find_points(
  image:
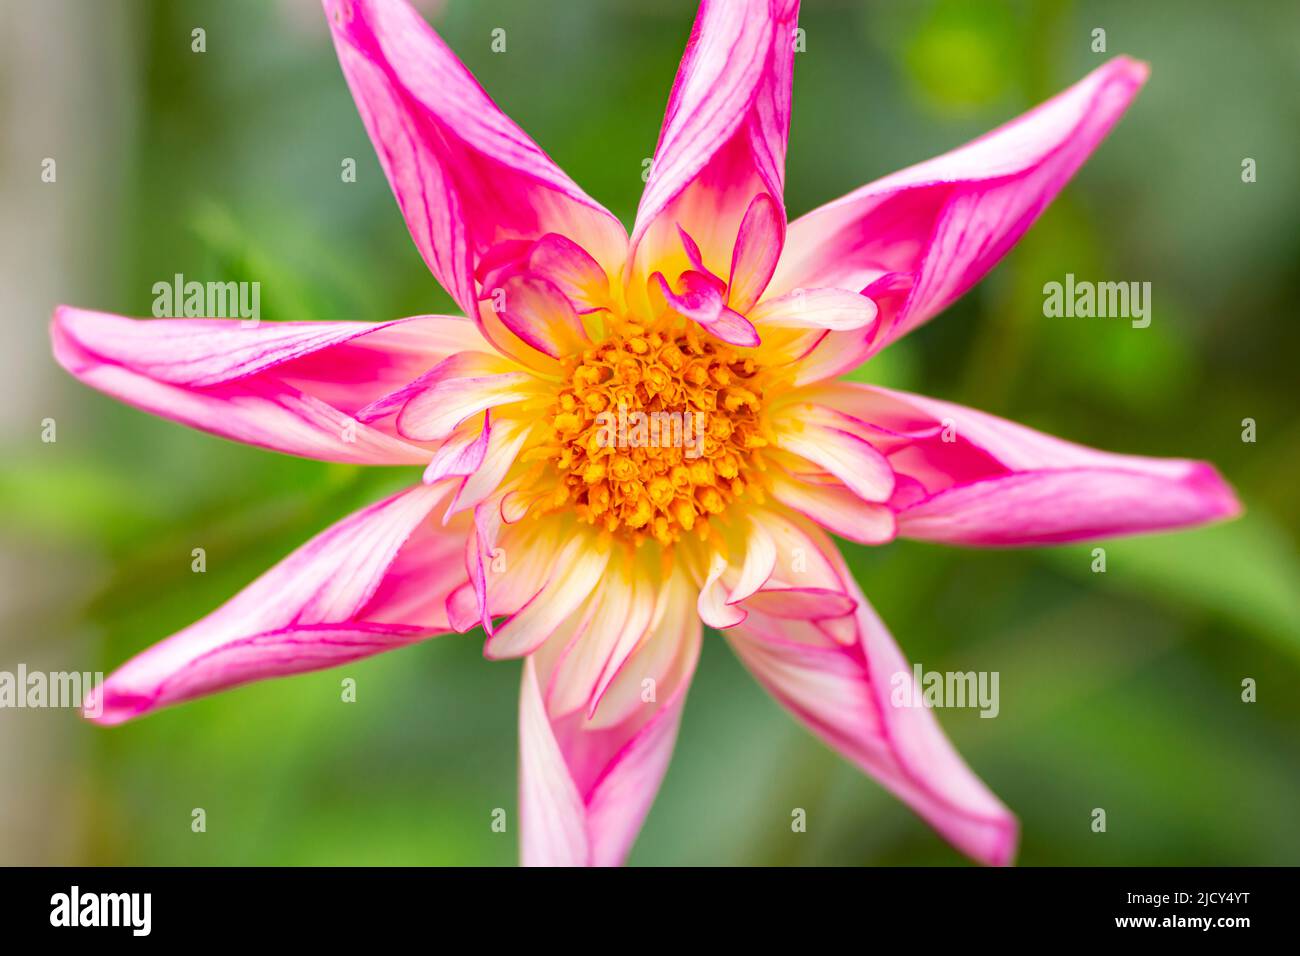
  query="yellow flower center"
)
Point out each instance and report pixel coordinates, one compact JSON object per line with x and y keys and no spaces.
{"x":656,"y":431}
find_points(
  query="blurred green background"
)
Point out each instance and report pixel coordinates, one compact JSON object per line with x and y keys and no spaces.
{"x":1119,"y":690}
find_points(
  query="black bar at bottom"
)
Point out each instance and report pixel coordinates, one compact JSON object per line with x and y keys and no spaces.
{"x":369,"y":905}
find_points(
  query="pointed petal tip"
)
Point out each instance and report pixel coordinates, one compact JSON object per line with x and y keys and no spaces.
{"x":106,"y":707}
{"x":464,"y":175}
{"x":1221,"y":501}
{"x":1015,"y":169}
{"x":1005,"y":846}
{"x":737,"y":330}
{"x":63,"y":319}
{"x":58,"y":320}
{"x":73,"y":331}
{"x":1135,"y":70}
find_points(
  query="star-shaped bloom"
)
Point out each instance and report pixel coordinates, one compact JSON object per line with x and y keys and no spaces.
{"x":630,"y":437}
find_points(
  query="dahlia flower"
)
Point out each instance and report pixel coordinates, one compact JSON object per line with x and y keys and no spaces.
{"x":592,"y":554}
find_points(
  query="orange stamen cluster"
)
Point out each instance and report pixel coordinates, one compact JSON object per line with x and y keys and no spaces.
{"x":683,"y":458}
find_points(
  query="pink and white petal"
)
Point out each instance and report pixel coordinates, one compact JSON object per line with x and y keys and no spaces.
{"x":661,"y":661}
{"x":702,"y":299}
{"x":647,"y":644}
{"x":586,"y":785}
{"x":837,"y":310}
{"x":463,"y":451}
{"x":354,"y":374}
{"x":466,"y":177}
{"x":802,"y":603}
{"x":542,"y":316}
{"x":290,"y":387}
{"x":505,"y":439}
{"x":835,"y":508}
{"x":552,"y":813}
{"x":699,"y":296}
{"x":732,"y":327}
{"x":798,"y":563}
{"x":723,"y":139}
{"x":835,"y":447}
{"x":757,"y":250}
{"x":976,"y":479}
{"x":463,"y":608}
{"x":562,"y":825}
{"x":918,"y":239}
{"x":758,"y":565}
{"x":842,"y":693}
{"x":1053,"y":507}
{"x":691,"y":249}
{"x":622,"y":611}
{"x":457,"y":388}
{"x":375,"y":581}
{"x":575,"y":571}
{"x":804,"y":556}
{"x":510,"y":564}
{"x":572,"y":270}
{"x":712,"y":604}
